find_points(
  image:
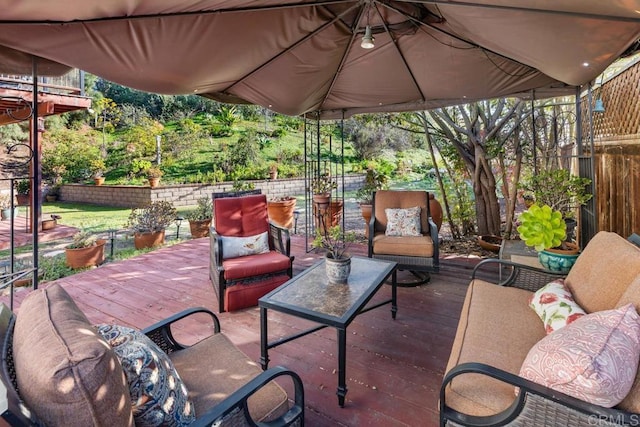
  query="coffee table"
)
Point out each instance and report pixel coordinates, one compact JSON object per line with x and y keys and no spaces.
{"x":310,"y":296}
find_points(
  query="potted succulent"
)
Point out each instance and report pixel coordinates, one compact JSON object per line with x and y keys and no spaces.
{"x":86,"y":250}
{"x":153,"y":175}
{"x":23,"y":189}
{"x":200,"y":218}
{"x":280,"y":210}
{"x":150,"y":222}
{"x":544,"y":228}
{"x":337,"y":259}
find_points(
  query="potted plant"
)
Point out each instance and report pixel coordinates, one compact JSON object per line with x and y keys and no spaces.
{"x":560,"y":190}
{"x":5,"y":207}
{"x":97,"y":171}
{"x":86,"y":250}
{"x":53,"y":192}
{"x":322,"y":186}
{"x":23,"y":189}
{"x":50,"y":224}
{"x":273,"y":170}
{"x":280,"y":210}
{"x":337,"y":259}
{"x":200,"y":218}
{"x":150,"y":222}
{"x":153,"y":175}
{"x":544,"y":229}
{"x":373,"y":181}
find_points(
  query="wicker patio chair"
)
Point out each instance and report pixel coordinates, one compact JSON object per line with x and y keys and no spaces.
{"x":418,"y":254}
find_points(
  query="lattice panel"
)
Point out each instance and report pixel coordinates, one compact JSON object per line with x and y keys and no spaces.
{"x":621,"y":99}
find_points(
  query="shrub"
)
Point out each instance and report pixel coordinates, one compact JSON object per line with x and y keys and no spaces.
{"x":156,"y":216}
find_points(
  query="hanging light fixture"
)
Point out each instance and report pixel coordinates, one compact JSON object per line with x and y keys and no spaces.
{"x":367,"y":39}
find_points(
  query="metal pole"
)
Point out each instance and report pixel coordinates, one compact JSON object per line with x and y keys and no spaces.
{"x":35,"y":193}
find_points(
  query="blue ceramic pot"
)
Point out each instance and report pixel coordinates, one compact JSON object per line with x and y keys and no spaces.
{"x":557,"y":262}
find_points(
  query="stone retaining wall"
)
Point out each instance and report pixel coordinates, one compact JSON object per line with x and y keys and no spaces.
{"x":182,"y":194}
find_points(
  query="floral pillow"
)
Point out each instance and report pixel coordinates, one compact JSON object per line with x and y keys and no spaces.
{"x":594,"y":359}
{"x":555,"y":305}
{"x":233,"y":247}
{"x":403,"y":222}
{"x":158,"y":395}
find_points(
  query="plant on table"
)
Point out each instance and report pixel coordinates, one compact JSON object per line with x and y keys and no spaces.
{"x":545,"y":229}
{"x":334,"y":241}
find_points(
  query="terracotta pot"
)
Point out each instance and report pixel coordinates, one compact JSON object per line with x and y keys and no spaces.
{"x":23,"y":199}
{"x":490,"y":243}
{"x":86,"y":257}
{"x":148,"y":240}
{"x":281,"y":212}
{"x":321,"y":210}
{"x":335,"y":210}
{"x":273,"y":174}
{"x":365,"y":209}
{"x":49,"y":224}
{"x":99,"y":180}
{"x":338,"y":270}
{"x":435,"y":208}
{"x":153,"y":182}
{"x":51,"y":198}
{"x":199,"y":228}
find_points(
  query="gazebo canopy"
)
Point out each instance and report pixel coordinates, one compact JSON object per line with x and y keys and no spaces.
{"x":298,"y":57}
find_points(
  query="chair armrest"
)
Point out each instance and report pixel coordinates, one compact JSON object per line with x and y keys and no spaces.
{"x":216,"y":247}
{"x":234,"y":407}
{"x":160,"y":333}
{"x":535,"y":404}
{"x":433,"y":232}
{"x":279,"y":239}
{"x":517,"y":275}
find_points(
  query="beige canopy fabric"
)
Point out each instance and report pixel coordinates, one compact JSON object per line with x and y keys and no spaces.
{"x":301,"y":57}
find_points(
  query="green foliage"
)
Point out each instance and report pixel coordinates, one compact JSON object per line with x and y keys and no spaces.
{"x":227,"y":115}
{"x":542,"y":227}
{"x":139,"y":166}
{"x":558,"y":189}
{"x":334,"y":241}
{"x":54,"y":268}
{"x":154,"y":172}
{"x":23,"y":186}
{"x":461,"y":201}
{"x":246,"y":150}
{"x":374,"y":180}
{"x":202,"y":212}
{"x":323,"y":184}
{"x":83,"y":239}
{"x":140,"y":139}
{"x":68,"y":154}
{"x":243,"y":186}
{"x":156,"y":216}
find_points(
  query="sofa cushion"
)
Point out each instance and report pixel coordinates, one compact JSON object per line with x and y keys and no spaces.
{"x":631,"y":403}
{"x":604,"y":271}
{"x":255,"y":265}
{"x":487,"y":333}
{"x":158,"y":395}
{"x":594,"y":359}
{"x":555,"y":306}
{"x":400,"y":199}
{"x":403,"y":222}
{"x":66,"y":373}
{"x":241,"y":216}
{"x":210,"y":372}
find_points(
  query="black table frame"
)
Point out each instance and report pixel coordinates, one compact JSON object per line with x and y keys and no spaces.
{"x":340,"y":323}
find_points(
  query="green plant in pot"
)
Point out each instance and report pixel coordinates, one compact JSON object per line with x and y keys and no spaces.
{"x":200,"y":218}
{"x":337,"y":259}
{"x":150,"y":222}
{"x":86,"y":250}
{"x":374,"y":180}
{"x":545,"y":230}
{"x":23,"y":189}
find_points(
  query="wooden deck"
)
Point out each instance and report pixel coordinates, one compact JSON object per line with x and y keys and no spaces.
{"x":394,"y":368}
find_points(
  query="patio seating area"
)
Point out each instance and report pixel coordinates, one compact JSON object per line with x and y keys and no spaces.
{"x":394,"y":367}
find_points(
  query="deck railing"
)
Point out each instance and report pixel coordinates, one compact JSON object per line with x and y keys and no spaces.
{"x":71,"y":83}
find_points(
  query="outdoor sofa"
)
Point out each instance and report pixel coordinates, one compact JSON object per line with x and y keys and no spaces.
{"x":501,"y":345}
{"x":59,"y":370}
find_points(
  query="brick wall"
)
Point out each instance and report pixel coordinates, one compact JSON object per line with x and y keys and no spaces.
{"x":183,"y":194}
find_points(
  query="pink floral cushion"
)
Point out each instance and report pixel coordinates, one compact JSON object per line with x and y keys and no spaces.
{"x":403,"y":222}
{"x":555,"y":305}
{"x":594,"y":359}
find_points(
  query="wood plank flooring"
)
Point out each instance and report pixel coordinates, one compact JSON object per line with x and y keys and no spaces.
{"x":394,"y":368}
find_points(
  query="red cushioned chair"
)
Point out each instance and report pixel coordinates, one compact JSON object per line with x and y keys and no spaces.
{"x":240,"y":280}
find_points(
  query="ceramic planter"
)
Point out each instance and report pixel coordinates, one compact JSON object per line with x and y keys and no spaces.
{"x":148,"y":240}
{"x":6,"y":213}
{"x":199,"y":228}
{"x":86,"y":257}
{"x":23,"y":199}
{"x":559,"y":260}
{"x":338,"y":270}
